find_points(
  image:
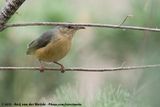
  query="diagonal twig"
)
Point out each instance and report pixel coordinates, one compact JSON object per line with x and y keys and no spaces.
{"x":8,"y":10}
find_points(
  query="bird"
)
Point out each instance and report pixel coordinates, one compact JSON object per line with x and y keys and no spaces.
{"x":53,"y":45}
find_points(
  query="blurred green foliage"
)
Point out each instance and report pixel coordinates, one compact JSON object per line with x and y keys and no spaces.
{"x":108,"y":96}
{"x":144,"y":46}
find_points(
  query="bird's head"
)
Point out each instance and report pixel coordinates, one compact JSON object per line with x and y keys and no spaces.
{"x":69,"y":29}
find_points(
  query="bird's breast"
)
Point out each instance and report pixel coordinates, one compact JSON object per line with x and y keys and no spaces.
{"x":55,"y":50}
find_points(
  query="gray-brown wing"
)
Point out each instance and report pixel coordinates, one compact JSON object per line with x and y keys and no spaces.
{"x":40,"y":42}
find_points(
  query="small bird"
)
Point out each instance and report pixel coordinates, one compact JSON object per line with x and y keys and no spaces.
{"x":53,"y":45}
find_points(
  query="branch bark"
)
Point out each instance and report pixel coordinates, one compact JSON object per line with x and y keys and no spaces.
{"x":81,"y":69}
{"x":82,"y":24}
{"x":8,"y":10}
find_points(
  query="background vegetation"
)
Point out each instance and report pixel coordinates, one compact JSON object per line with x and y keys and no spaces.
{"x":93,"y":47}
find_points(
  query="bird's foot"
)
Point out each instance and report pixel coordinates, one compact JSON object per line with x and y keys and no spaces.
{"x":62,"y":67}
{"x":41,"y":69}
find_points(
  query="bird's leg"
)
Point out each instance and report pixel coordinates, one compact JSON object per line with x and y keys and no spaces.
{"x":62,"y":67}
{"x":41,"y":66}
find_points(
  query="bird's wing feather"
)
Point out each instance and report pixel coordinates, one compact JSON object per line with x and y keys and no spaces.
{"x":40,"y":42}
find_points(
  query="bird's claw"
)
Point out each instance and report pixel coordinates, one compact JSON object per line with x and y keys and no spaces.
{"x":41,"y":69}
{"x":62,"y":69}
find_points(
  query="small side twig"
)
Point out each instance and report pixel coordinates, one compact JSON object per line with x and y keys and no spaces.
{"x":125,"y":19}
{"x":81,"y":24}
{"x":80,"y":69}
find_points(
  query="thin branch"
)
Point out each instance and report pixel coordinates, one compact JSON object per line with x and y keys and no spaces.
{"x":8,"y":10}
{"x":81,"y":24}
{"x":82,"y":69}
